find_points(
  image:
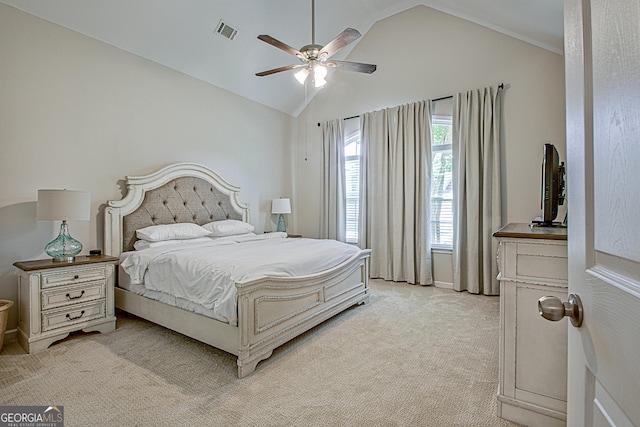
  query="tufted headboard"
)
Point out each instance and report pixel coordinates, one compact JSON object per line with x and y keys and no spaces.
{"x":182,"y":192}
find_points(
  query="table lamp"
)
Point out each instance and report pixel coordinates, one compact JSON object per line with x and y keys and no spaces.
{"x":63,"y":205}
{"x":280,"y":207}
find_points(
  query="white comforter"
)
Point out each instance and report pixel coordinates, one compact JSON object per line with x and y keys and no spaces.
{"x":206,"y":273}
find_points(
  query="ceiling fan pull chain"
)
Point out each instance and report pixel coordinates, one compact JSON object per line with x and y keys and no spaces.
{"x":306,"y":125}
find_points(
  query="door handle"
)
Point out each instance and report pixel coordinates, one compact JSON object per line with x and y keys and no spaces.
{"x":552,"y":308}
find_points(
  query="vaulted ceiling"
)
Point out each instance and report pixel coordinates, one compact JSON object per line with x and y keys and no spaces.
{"x":180,"y":34}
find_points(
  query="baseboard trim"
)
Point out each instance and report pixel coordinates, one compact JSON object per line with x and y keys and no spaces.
{"x":445,"y":285}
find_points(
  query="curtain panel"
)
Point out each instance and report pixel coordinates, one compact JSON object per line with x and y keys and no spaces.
{"x":395,"y":172}
{"x":333,"y":222}
{"x":477,"y":198}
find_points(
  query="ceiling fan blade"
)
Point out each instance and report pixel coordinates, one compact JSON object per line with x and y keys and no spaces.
{"x":352,"y":66}
{"x":279,"y":70}
{"x":277,"y":43}
{"x":341,"y":40}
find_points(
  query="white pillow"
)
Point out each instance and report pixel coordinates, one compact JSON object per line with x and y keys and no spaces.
{"x":158,"y":233}
{"x":144,"y":244}
{"x":228,"y":227}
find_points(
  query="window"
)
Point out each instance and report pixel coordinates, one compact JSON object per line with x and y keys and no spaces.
{"x":352,"y":175}
{"x":441,"y":183}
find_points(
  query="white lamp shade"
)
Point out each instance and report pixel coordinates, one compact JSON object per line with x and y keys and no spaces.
{"x":58,"y":205}
{"x":280,"y":206}
{"x":301,"y":75}
{"x":319,"y":71}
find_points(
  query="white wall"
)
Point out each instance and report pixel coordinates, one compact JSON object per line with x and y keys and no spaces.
{"x":79,"y":114}
{"x":425,"y":54}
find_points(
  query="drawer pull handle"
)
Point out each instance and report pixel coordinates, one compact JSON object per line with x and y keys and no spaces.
{"x":69,"y":297}
{"x":75,"y":318}
{"x":76,"y":276}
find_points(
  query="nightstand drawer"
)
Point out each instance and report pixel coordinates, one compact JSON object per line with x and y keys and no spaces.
{"x":72,"y":276}
{"x":73,"y":294}
{"x":70,"y":316}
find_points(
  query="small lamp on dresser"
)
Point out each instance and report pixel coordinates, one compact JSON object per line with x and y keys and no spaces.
{"x":281,"y":207}
{"x":63,"y":205}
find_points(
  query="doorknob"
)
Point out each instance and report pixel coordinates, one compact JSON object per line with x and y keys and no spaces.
{"x":552,"y":308}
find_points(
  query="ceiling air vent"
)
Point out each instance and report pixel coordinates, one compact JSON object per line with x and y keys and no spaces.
{"x":226,"y":31}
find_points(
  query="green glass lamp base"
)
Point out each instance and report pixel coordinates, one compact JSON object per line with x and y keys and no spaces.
{"x":63,"y":248}
{"x":281,"y":225}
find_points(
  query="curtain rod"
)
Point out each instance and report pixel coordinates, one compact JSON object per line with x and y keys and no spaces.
{"x":441,"y":98}
{"x":346,"y":118}
{"x":500,"y":86}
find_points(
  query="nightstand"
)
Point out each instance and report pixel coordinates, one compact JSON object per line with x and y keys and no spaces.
{"x":56,"y":298}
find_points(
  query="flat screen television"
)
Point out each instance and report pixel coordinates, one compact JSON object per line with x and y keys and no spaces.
{"x":552,"y":185}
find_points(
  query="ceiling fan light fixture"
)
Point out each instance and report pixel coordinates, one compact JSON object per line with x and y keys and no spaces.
{"x":301,"y":75}
{"x":319,"y":73}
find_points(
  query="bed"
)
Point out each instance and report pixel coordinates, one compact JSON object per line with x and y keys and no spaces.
{"x":271,"y":309}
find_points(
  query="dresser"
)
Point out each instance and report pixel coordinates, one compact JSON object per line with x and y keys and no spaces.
{"x":532,"y":263}
{"x":56,"y":298}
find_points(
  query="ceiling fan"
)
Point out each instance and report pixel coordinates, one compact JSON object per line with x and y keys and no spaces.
{"x":314,"y":58}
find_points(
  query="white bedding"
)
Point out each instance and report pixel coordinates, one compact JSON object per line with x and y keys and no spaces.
{"x":205,"y":273}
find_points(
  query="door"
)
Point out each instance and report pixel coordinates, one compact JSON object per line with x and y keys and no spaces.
{"x":602,"y":65}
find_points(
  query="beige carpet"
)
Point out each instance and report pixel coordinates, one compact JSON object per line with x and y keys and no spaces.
{"x":412,"y":356}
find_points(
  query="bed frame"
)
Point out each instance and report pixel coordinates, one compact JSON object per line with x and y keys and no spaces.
{"x":271,"y":311}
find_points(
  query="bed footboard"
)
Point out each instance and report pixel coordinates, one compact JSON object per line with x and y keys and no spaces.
{"x":272,"y":311}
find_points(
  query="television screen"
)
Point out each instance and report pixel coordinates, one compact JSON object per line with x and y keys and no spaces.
{"x":552,"y":185}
